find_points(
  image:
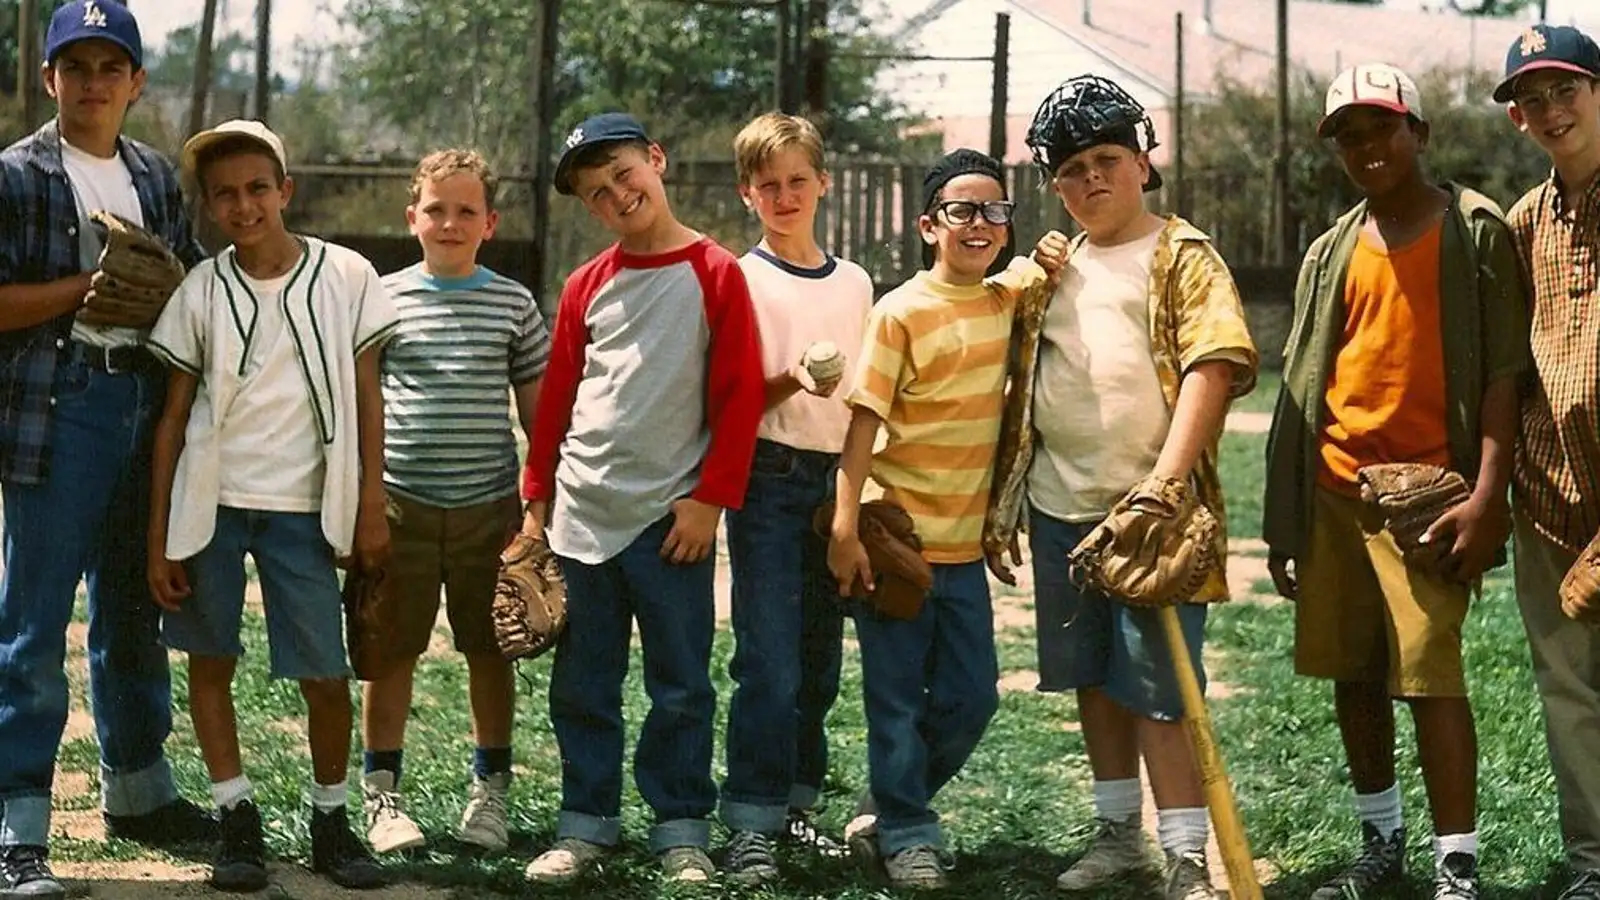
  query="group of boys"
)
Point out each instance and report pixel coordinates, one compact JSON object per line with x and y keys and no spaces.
{"x":316,"y":415}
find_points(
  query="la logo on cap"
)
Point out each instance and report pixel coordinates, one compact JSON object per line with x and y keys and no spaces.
{"x":575,"y":138}
{"x":1532,"y":42}
{"x":93,"y":15}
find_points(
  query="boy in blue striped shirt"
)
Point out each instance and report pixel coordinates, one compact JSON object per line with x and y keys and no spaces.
{"x":469,"y":340}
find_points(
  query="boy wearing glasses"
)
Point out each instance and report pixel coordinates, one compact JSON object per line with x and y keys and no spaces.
{"x":1551,"y":84}
{"x":932,"y":373}
{"x":1170,"y":349}
{"x":1427,"y":267}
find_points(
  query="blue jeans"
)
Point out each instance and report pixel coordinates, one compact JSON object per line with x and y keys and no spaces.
{"x":788,"y":626}
{"x":88,"y":521}
{"x":672,"y":762}
{"x":929,"y":686}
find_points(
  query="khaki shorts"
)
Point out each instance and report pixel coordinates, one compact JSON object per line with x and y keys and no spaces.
{"x":457,"y":549}
{"x":1364,"y":616}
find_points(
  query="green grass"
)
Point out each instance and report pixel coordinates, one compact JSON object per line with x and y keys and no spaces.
{"x":1265,"y":394}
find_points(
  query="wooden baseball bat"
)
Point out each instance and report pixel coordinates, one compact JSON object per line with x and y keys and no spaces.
{"x":1231,"y":840}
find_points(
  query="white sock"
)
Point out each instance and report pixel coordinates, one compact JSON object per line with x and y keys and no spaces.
{"x":1381,"y":810}
{"x":1446,"y":844}
{"x":1183,"y":830}
{"x":329,"y":797}
{"x":1117,"y":800}
{"x":228,"y":794}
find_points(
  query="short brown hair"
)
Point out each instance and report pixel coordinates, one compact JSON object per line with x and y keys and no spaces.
{"x":766,"y":135}
{"x":441,"y":164}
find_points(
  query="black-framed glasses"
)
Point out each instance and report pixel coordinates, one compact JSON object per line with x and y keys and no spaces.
{"x":963,"y":212}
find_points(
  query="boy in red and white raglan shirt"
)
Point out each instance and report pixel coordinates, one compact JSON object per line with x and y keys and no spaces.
{"x":645,"y":429}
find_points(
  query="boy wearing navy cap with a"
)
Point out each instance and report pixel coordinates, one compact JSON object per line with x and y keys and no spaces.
{"x":645,"y":430}
{"x":75,"y":454}
{"x":1552,"y":86}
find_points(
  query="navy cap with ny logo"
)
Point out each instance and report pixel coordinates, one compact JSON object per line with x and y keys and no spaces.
{"x":82,"y":20}
{"x":605,"y":128}
{"x":1542,"y":46}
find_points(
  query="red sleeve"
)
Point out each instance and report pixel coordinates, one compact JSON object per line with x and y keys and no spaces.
{"x":735,"y":387}
{"x":553,"y":414}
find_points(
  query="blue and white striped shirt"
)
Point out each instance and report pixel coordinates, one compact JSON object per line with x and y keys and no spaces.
{"x":462,"y":344}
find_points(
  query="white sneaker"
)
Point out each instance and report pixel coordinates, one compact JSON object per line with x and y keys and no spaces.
{"x":1188,"y":878}
{"x":389,"y":829}
{"x":483,"y":822}
{"x":569,"y":858}
{"x":687,"y":864}
{"x":1117,"y":849}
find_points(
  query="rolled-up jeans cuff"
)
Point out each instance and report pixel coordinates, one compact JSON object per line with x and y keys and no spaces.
{"x":680,"y":833}
{"x":25,"y":820}
{"x":137,"y":793}
{"x":602,"y":830}
{"x":803,"y":796}
{"x":893,"y":840}
{"x":766,"y":818}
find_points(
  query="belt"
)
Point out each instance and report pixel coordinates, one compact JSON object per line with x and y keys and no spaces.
{"x":113,"y":360}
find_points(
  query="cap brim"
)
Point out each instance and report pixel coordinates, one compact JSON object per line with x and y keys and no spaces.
{"x":1502,"y":91}
{"x":1325,"y":128}
{"x":198,"y":144}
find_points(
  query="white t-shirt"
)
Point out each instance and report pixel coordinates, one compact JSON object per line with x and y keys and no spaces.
{"x":796,"y":307}
{"x":100,"y":184}
{"x":271,"y":409}
{"x":1097,"y":405}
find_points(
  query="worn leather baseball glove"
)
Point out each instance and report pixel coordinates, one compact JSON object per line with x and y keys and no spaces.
{"x":1153,"y":549}
{"x":368,"y":622}
{"x":902,"y":577}
{"x":530,"y":598}
{"x":135,"y":278}
{"x":1411,"y":497}
{"x":1580,"y":589}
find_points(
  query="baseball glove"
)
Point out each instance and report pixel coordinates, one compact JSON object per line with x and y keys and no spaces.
{"x":1580,"y":589}
{"x":1411,"y":497}
{"x":135,"y":277}
{"x":902,"y":577}
{"x":1153,"y":549}
{"x":368,"y":622}
{"x":530,"y":599}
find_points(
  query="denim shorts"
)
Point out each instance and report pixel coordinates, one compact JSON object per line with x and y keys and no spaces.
{"x":299,"y":592}
{"x":1089,"y":640}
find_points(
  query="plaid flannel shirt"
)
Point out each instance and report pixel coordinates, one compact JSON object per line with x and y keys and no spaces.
{"x":38,"y":244}
{"x":1557,"y":474}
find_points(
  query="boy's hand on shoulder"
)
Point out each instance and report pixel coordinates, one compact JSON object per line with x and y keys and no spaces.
{"x":1284,"y":581}
{"x":1474,"y":530}
{"x":848,"y":561}
{"x":169,"y":583}
{"x":694,"y":527}
{"x":1052,"y":251}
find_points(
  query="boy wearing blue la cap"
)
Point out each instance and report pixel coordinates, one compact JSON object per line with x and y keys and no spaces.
{"x":75,"y":427}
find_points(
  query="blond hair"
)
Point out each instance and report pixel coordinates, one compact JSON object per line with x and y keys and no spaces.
{"x":758,"y":142}
{"x":441,"y":164}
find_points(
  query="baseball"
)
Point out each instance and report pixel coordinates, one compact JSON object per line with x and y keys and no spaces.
{"x":823,"y":362}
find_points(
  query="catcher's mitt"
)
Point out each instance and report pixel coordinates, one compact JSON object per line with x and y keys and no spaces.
{"x":1580,"y":589}
{"x":901,"y":576}
{"x":135,"y":277}
{"x":368,"y":622}
{"x":1153,"y":549}
{"x":1411,"y":497}
{"x":530,"y":598}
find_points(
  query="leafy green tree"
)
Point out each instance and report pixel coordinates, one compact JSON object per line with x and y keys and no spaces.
{"x":232,"y":60}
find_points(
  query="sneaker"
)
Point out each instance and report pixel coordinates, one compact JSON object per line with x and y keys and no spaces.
{"x":25,"y":872}
{"x":748,"y":858}
{"x":1188,"y":878}
{"x":1456,"y":878}
{"x":177,"y":824}
{"x":569,"y":858}
{"x":1586,"y":886}
{"x":483,"y":822}
{"x":1381,"y":862}
{"x":389,"y":829}
{"x":687,"y":864}
{"x":339,"y":854}
{"x":920,"y":868}
{"x":1117,"y":848}
{"x":800,"y":831}
{"x":240,"y":865}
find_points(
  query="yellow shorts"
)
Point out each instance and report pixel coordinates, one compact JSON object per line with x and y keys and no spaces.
{"x":1365,"y":616}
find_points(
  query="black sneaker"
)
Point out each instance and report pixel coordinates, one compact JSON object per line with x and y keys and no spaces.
{"x":800,"y":831}
{"x":748,"y":858}
{"x":177,"y":824}
{"x":240,"y":866}
{"x":1584,"y":886}
{"x":1457,"y":877}
{"x":1382,"y":862}
{"x":25,"y":872}
{"x":337,"y":853}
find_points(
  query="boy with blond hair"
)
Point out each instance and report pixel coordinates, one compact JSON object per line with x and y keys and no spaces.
{"x":787,"y":622}
{"x":469,"y":340}
{"x":644,"y":433}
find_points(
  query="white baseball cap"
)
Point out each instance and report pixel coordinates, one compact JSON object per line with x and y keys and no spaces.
{"x":249,"y":128}
{"x":1370,"y":84}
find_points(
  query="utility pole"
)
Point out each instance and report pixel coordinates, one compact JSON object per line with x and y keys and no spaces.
{"x":1002,"y":75}
{"x":263,"y":57}
{"x":816,"y":28}
{"x":1178,"y":202}
{"x":542,"y":49}
{"x":28,"y":61}
{"x":202,"y":69}
{"x":1281,"y":251}
{"x":781,"y":74}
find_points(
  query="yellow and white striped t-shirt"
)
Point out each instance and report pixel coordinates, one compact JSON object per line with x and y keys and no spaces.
{"x":933,"y":367}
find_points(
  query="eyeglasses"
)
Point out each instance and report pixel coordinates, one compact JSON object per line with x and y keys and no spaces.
{"x":1562,"y":93}
{"x":963,"y":212}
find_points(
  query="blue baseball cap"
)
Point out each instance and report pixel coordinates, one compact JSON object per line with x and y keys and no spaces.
{"x":82,"y":20}
{"x":605,"y":128}
{"x":1548,"y":47}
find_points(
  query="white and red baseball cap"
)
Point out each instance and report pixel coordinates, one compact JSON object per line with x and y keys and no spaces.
{"x":1370,"y":84}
